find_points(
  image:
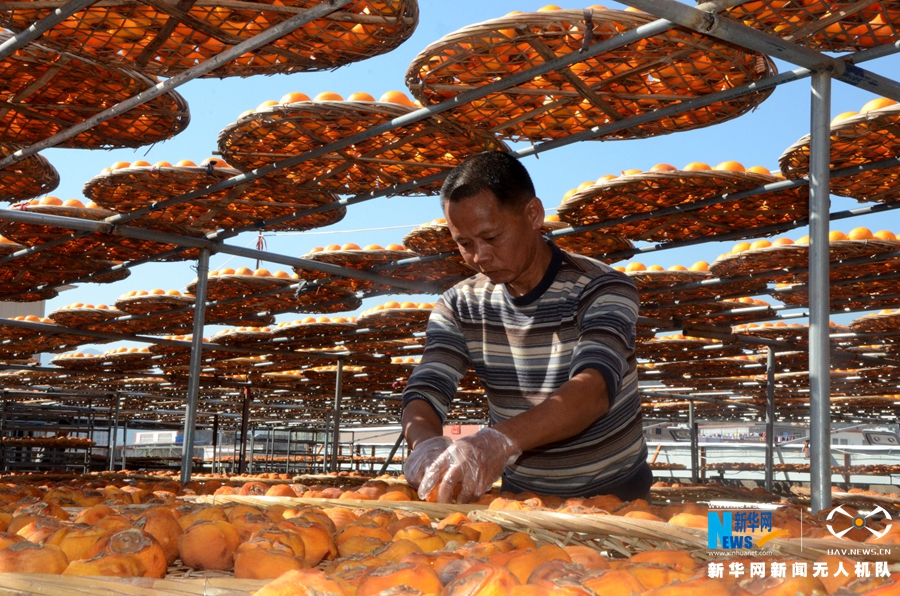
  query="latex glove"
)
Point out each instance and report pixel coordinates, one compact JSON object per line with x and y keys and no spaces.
{"x":423,"y":456}
{"x":472,"y":463}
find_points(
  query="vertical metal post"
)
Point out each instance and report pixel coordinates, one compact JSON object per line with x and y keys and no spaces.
{"x":245,"y":424}
{"x":252,"y":450}
{"x":390,"y":457}
{"x":819,"y":303}
{"x":111,"y":456}
{"x":770,"y":419}
{"x":124,"y":444}
{"x":287,"y":464}
{"x":193,"y":394}
{"x":336,"y":417}
{"x":215,"y":442}
{"x":695,"y":444}
{"x":326,"y":442}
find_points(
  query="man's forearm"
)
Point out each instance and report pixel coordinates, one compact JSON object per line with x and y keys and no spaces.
{"x":573,"y":408}
{"x":420,"y":422}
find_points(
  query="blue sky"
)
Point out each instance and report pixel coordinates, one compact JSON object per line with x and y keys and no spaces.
{"x":757,"y":138}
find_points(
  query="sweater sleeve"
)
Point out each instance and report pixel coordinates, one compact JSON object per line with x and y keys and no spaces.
{"x":444,"y":361}
{"x":607,"y":315}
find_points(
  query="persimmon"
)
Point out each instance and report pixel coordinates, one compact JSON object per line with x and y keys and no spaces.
{"x":54,"y":201}
{"x":635,"y":266}
{"x":836,"y":236}
{"x":399,"y":247}
{"x":397,"y":97}
{"x":632,"y":172}
{"x":860,"y":234}
{"x":162,"y":164}
{"x":217,"y":162}
{"x":293,"y":97}
{"x":369,"y":247}
{"x":877,"y":104}
{"x":243,"y":271}
{"x":782,"y":242}
{"x":185,"y":163}
{"x":695,"y":166}
{"x":884,"y":235}
{"x":730,"y":166}
{"x":699,"y":266}
{"x":663,"y":167}
{"x":328,"y":96}
{"x":757,"y":244}
{"x":360,"y":96}
{"x":266,"y":104}
{"x":843,"y":116}
{"x":677,"y":268}
{"x":72,"y":203}
{"x":349,"y":246}
{"x":759,"y":170}
{"x":119,"y":165}
{"x":606,"y":178}
{"x":802,"y":240}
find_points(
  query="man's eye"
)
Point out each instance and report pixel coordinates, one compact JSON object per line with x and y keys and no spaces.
{"x":491,"y":238}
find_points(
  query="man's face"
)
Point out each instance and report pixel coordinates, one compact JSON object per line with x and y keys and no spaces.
{"x":501,"y":243}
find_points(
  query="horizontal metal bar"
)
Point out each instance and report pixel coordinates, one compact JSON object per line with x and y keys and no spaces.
{"x":60,"y":14}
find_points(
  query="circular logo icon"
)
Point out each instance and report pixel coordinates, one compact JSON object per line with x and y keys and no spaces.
{"x":857,"y":522}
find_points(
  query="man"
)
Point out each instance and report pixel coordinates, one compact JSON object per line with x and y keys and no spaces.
{"x":551,"y":337}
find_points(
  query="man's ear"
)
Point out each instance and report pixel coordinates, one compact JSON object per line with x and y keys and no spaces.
{"x":534,"y":211}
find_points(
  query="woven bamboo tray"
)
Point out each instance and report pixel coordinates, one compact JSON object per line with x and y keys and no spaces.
{"x":323,"y":299}
{"x":131,"y":188}
{"x":128,"y":361}
{"x":779,"y":259}
{"x":434,"y":510}
{"x":224,"y":287}
{"x":876,"y":322}
{"x":680,"y":348}
{"x":328,"y":332}
{"x":594,"y":244}
{"x":438,"y":275}
{"x":677,"y":293}
{"x":647,"y":281}
{"x":650,"y":191}
{"x":862,"y":296}
{"x":179,"y":582}
{"x":240,"y":337}
{"x":26,"y":179}
{"x":167,"y":39}
{"x":388,"y":318}
{"x":631,"y":80}
{"x":857,"y":140}
{"x":793,"y":332}
{"x":82,"y":316}
{"x":353,"y":259}
{"x":841,"y":26}
{"x":45,"y":93}
{"x":144,"y":305}
{"x":417,"y":150}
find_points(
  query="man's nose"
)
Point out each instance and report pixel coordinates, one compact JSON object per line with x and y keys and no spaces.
{"x":482,"y":253}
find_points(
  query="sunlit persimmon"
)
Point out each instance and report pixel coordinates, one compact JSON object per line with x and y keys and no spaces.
{"x":185,"y":163}
{"x":397,"y":97}
{"x":740,"y":247}
{"x":293,"y":97}
{"x":757,"y":244}
{"x":328,"y":96}
{"x":877,"y":104}
{"x":843,"y":116}
{"x":860,"y":234}
{"x":635,"y":267}
{"x":699,"y":266}
{"x":266,"y":104}
{"x":759,"y":170}
{"x":782,"y":242}
{"x":884,"y":235}
{"x":695,"y":166}
{"x":53,"y":201}
{"x":730,"y":166}
{"x":836,"y":236}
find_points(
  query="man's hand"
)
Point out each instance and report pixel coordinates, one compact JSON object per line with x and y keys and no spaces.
{"x":472,"y":464}
{"x":422,"y":457}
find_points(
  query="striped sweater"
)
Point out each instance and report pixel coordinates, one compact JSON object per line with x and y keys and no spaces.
{"x":581,"y":315}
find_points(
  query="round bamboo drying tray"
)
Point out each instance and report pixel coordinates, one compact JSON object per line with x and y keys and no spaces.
{"x":655,"y":280}
{"x":796,"y":256}
{"x":323,"y":331}
{"x":86,"y":362}
{"x":677,"y":293}
{"x":877,"y":322}
{"x":144,"y":305}
{"x":353,"y":259}
{"x":45,"y":93}
{"x":240,"y":337}
{"x":27,"y":294}
{"x":838,"y":26}
{"x":594,"y":244}
{"x":859,"y":296}
{"x":794,"y":332}
{"x":430,"y":239}
{"x":131,"y":188}
{"x":860,"y":139}
{"x":441,"y":275}
{"x":679,"y":348}
{"x":167,"y":39}
{"x":26,"y":179}
{"x":417,"y":150}
{"x":631,"y":80}
{"x":82,"y":316}
{"x":650,"y":191}
{"x":97,"y":245}
{"x":388,"y":318}
{"x":130,"y":361}
{"x":326,"y":299}
{"x":226,"y":286}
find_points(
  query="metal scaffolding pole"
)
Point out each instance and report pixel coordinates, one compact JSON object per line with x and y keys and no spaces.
{"x":271,"y":34}
{"x":336,"y":417}
{"x":8,"y":47}
{"x":770,"y":418}
{"x":252,"y":450}
{"x":193,"y":392}
{"x":695,"y":444}
{"x":215,"y":442}
{"x":819,"y":303}
{"x":245,"y":425}
{"x":124,"y":444}
{"x":390,"y":457}
{"x":113,"y":431}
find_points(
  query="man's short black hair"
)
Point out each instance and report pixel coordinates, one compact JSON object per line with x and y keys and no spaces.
{"x":494,"y":171}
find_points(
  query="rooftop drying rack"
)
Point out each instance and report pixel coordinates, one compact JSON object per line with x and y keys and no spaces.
{"x":813,"y":64}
